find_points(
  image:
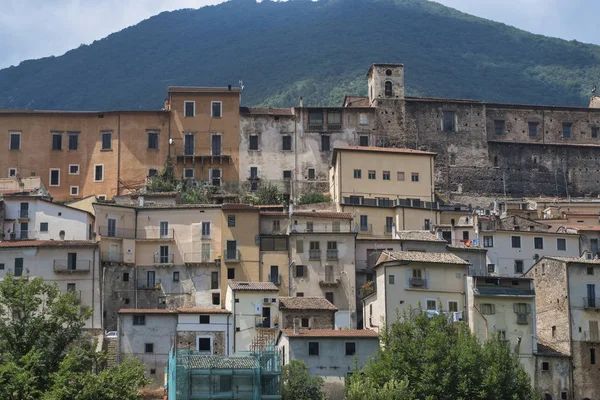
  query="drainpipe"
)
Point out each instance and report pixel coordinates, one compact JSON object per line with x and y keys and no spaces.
{"x":103,"y":303}
{"x":484,"y":319}
{"x":290,"y":273}
{"x":228,"y":344}
{"x":119,"y":154}
{"x":135,"y":254}
{"x":93,"y":283}
{"x":570,"y":334}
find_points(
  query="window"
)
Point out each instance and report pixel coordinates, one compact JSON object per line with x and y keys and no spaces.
{"x":391,"y":279}
{"x":98,"y":172}
{"x":499,"y":127}
{"x":518,"y":266}
{"x":253,"y":172}
{"x":305,"y":323}
{"x":452,"y":158}
{"x":204,"y":344}
{"x":205,"y":319}
{"x":189,"y":108}
{"x":299,"y":294}
{"x":487,"y":309}
{"x":74,"y":190}
{"x":371,"y":174}
{"x":276,"y":225}
{"x":315,"y":118}
{"x":452,"y":306}
{"x":311,"y":173}
{"x":334,"y":119}
{"x":545,"y":366}
{"x":533,"y":127}
{"x":188,"y":144}
{"x":273,"y":244}
{"x":216,"y":109}
{"x":561,"y":244}
{"x":447,"y":236}
{"x":73,"y":169}
{"x":139,"y":320}
{"x":287,"y":174}
{"x":567,"y":128}
{"x":164,"y":256}
{"x":54,"y":177}
{"x":488,"y":241}
{"x":388,"y":89}
{"x":553,"y":331}
{"x":71,"y":288}
{"x":389,"y":223}
{"x":216,"y":299}
{"x":106,"y":140}
{"x":43,"y":227}
{"x":329,"y":297}
{"x":449,"y":121}
{"x":286,"y":143}
{"x":357,"y":174}
{"x":15,"y":141}
{"x":253,"y":142}
{"x":125,"y":276}
{"x":299,"y":246}
{"x":563,"y":395}
{"x":231,"y":221}
{"x":590,"y":270}
{"x":152,"y":140}
{"x":431,"y":305}
{"x":363,"y":140}
{"x":538,"y":243}
{"x":101,"y":197}
{"x":215,"y":177}
{"x":149,"y":347}
{"x":400,"y":176}
{"x":18,"y":266}
{"x":592,"y":356}
{"x":230,"y":273}
{"x":313,"y":348}
{"x":214,"y":280}
{"x":386,"y":175}
{"x":299,"y":271}
{"x":188,"y":173}
{"x":350,"y":348}
{"x":175,"y":276}
{"x":364,"y":223}
{"x":56,"y":140}
{"x":595,"y":132}
{"x":205,"y":229}
{"x":465,"y":235}
{"x":427,"y":224}
{"x":325,"y":143}
{"x":73,"y":138}
{"x":12,"y":172}
{"x":515,"y":242}
{"x":2,"y":266}
{"x":363,"y":120}
{"x":414,"y":177}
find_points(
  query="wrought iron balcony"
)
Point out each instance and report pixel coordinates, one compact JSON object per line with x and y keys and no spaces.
{"x":164,"y":258}
{"x":314,"y":254}
{"x":275,"y":279}
{"x":23,"y":214}
{"x":119,"y":233}
{"x":332,"y":254}
{"x":591,"y":302}
{"x":66,"y":266}
{"x":232,"y":255}
{"x":332,"y":279}
{"x":418,"y":283}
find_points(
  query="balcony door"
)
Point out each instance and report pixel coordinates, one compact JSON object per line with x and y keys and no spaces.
{"x":72,"y":261}
{"x":151,"y":278}
{"x":189,"y":145}
{"x":266,"y":314}
{"x":274,"y":277}
{"x":216,"y":145}
{"x":231,"y":250}
{"x":591,"y":294}
{"x":164,"y":254}
{"x":24,"y":212}
{"x":111,"y":229}
{"x":113,"y":254}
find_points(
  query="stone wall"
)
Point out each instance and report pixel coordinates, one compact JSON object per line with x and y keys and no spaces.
{"x":585,"y":374}
{"x":187,"y":340}
{"x":557,"y":379}
{"x":318,"y":319}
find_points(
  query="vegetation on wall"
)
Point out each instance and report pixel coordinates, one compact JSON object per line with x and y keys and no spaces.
{"x":268,"y":194}
{"x":298,"y":384}
{"x":314,"y":197}
{"x":284,"y":50}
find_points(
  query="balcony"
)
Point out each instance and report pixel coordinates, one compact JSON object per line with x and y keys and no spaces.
{"x":315,"y":126}
{"x":275,"y":279}
{"x":314,"y":254}
{"x":118,"y":233}
{"x":217,"y":155}
{"x":366,"y":229}
{"x":389,"y":203}
{"x":198,"y":258}
{"x":591,"y":302}
{"x":324,"y":227}
{"x":23,"y":214}
{"x":64,"y":266}
{"x":333,"y":127}
{"x":22,"y":235}
{"x":522,"y":318}
{"x":418,"y":283}
{"x":111,"y":257}
{"x":163,"y":258}
{"x":332,"y":279}
{"x":149,"y":285}
{"x":155,"y":233}
{"x":232,"y":255}
{"x":332,"y":254}
{"x":387,"y":229}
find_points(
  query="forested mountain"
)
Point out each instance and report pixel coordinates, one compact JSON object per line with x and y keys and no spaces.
{"x":318,"y":50}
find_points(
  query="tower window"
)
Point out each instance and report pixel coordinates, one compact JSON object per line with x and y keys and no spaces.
{"x":388,"y":89}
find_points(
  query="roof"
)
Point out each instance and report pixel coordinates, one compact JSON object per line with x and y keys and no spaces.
{"x":203,"y":311}
{"x":173,"y":311}
{"x":584,"y":227}
{"x":253,"y":286}
{"x":267,"y":111}
{"x":582,"y":213}
{"x":463,"y":246}
{"x":571,"y":260}
{"x":420,"y":256}
{"x":322,"y":214}
{"x":382,"y":65}
{"x":274,"y":214}
{"x":331,"y":333}
{"x":158,"y":206}
{"x":47,"y":243}
{"x":547,"y":350}
{"x":305,"y":303}
{"x":418,"y":236}
{"x":492,"y":290}
{"x":200,"y":89}
{"x":217,"y":362}
{"x":356,"y":101}
{"x":374,"y":149}
{"x":239,"y":207}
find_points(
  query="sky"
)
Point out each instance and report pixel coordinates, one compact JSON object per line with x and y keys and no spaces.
{"x":31,"y":29}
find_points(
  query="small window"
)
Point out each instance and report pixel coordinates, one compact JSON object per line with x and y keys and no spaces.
{"x":563,"y":395}
{"x":54,"y":177}
{"x":56,"y":140}
{"x":391,"y":279}
{"x":350,"y":348}
{"x":518,"y":266}
{"x":325,"y":143}
{"x":414,"y":177}
{"x":214,"y":280}
{"x":545,"y":366}
{"x":286,"y":143}
{"x":300,"y":271}
{"x":427,"y":224}
{"x":561,"y":244}
{"x":189,"y":108}
{"x":431,"y":305}
{"x":538,"y":243}
{"x":313,"y":348}
{"x":453,"y":306}
{"x":12,"y":172}
{"x":74,"y":190}
{"x":305,"y":323}
{"x":125,"y":276}
{"x":449,"y":121}
{"x":43,"y":227}
{"x":152,"y":172}
{"x":231,"y":221}
{"x":204,"y":344}
{"x":98,"y":172}
{"x":567,"y":130}
{"x":276,"y":225}
{"x":299,"y":294}
{"x":216,"y":109}
{"x":357,"y":174}
{"x":487,"y":309}
{"x":465,"y":235}
{"x":73,"y":169}
{"x":371,"y":174}
{"x":452,"y":159}
{"x":175,"y":276}
{"x":488,"y":241}
{"x":152,"y":371}
{"x":102,"y":197}
{"x":533,"y":127}
{"x":149,"y":347}
{"x":73,"y":138}
{"x":287,"y":174}
{"x":311,"y":173}
{"x":253,"y":172}
{"x":515,"y":242}
{"x":216,"y":299}
{"x":388,"y":89}
{"x":15,"y":141}
{"x":595,"y":132}
{"x":106,"y":140}
{"x":386,"y":175}
{"x":253,"y":142}
{"x":592,"y":356}
{"x":491,"y":268}
{"x":188,"y":173}
{"x":1,"y":266}
{"x":230,"y":273}
{"x":205,"y":319}
{"x":590,"y":270}
{"x":329,"y":297}
{"x":499,"y":127}
{"x":400,"y":176}
{"x":139,"y":320}
{"x":152,"y":140}
{"x":363,"y":140}
{"x":71,"y":288}
{"x":205,"y":229}
{"x":363,"y":120}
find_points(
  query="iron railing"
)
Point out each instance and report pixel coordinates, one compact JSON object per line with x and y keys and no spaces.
{"x":418,"y":283}
{"x":64,"y":265}
{"x":120,"y":233}
{"x":275,"y":279}
{"x":332,"y":254}
{"x":23,"y":214}
{"x":163,"y":258}
{"x":591,"y":302}
{"x":232,"y":255}
{"x":314,"y":254}
{"x":331,"y":279}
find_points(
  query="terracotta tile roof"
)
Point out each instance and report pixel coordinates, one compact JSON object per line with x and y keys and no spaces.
{"x":344,"y":333}
{"x":595,"y":228}
{"x":383,"y":150}
{"x":587,"y":213}
{"x":571,"y":260}
{"x":356,"y":101}
{"x":239,"y":207}
{"x":203,"y":89}
{"x":547,"y":350}
{"x":47,"y":243}
{"x":218,"y":362}
{"x":203,"y":311}
{"x":420,"y":256}
{"x":323,"y":214}
{"x":253,"y":286}
{"x":463,"y":246}
{"x":418,"y":236}
{"x":305,"y":303}
{"x":266,"y":111}
{"x":274,"y":213}
{"x":147,"y":311}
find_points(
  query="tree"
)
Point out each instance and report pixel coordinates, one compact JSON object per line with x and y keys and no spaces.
{"x":269,"y":194}
{"x":426,"y":357}
{"x":299,"y":385}
{"x":314,"y":197}
{"x":43,"y":349}
{"x":165,"y":181}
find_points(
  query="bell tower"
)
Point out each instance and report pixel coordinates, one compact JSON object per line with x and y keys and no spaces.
{"x":386,"y":81}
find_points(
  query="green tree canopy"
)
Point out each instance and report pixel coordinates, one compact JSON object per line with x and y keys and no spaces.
{"x":298,"y":384}
{"x":269,"y":194}
{"x":424,"y":357}
{"x":314,"y":197}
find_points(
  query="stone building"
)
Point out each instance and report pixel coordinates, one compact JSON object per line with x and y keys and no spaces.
{"x":553,"y":372}
{"x":306,"y":312}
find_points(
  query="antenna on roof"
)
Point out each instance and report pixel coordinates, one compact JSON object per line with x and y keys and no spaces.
{"x":594,"y":91}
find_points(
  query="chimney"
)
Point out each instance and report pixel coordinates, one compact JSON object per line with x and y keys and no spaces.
{"x":229,"y":87}
{"x":301,"y":102}
{"x":296,"y":329}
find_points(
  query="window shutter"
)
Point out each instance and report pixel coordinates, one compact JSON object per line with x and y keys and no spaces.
{"x":407,"y":274}
{"x":299,"y":246}
{"x":516,"y":307}
{"x":493,"y":308}
{"x":427,"y":278}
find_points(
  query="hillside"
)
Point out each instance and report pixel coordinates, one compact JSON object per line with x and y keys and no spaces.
{"x":318,"y":50}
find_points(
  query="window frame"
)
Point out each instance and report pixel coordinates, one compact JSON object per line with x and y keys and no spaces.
{"x":253,"y":146}
{"x":212,"y":110}
{"x":535,"y":243}
{"x":325,"y":143}
{"x":185,"y":103}
{"x":371,"y":174}
{"x":564,"y":241}
{"x":149,"y":348}
{"x":149,"y":135}
{"x":414,"y":175}
{"x":139,"y":319}
{"x":95,"y":172}
{"x":388,"y":174}
{"x":312,"y":174}
{"x":313,"y":348}
{"x":10,"y":135}
{"x":103,"y":134}
{"x":286,"y":143}
{"x":42,"y":225}
{"x":74,"y":165}
{"x":357,"y":174}
{"x":50,"y":177}
{"x":488,"y":241}
{"x":512,"y":242}
{"x":75,"y":135}
{"x":185,"y":171}
{"x":534,"y":125}
{"x":13,"y":172}
{"x":453,"y":127}
{"x":499,"y":127}
{"x":76,"y":194}
{"x":231,"y":220}
{"x":59,"y":135}
{"x":567,"y":127}
{"x":350,"y":351}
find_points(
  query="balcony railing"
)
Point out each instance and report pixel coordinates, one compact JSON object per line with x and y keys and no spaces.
{"x":388,"y":203}
{"x":232,"y":255}
{"x":111,"y":257}
{"x":155,"y":233}
{"x":163,"y":258}
{"x":23,"y":235}
{"x":314,"y":254}
{"x":363,"y":228}
{"x":332,"y":254}
{"x":418,"y":283}
{"x":332,"y":279}
{"x":275,"y":279}
{"x":119,"y":233}
{"x":203,"y":152}
{"x":198,"y":257}
{"x":149,"y":285}
{"x":387,"y":229}
{"x":23,"y":214}
{"x":591,"y":302}
{"x":321,"y":227}
{"x":522,"y":318}
{"x":315,"y":127}
{"x":64,"y":266}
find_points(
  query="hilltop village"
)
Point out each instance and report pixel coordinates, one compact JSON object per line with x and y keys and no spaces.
{"x":487,"y":213}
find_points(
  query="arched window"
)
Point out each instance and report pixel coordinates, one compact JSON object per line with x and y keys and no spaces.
{"x":547,"y":397}
{"x":388,"y":89}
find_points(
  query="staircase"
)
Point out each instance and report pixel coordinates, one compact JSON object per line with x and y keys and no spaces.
{"x":263,"y":338}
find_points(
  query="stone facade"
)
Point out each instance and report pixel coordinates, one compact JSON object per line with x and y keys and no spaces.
{"x":317,"y":319}
{"x":187,"y":340}
{"x":552,"y":373}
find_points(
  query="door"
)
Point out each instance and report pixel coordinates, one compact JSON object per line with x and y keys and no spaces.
{"x":591,"y":294}
{"x":24,"y":212}
{"x":72,"y":261}
{"x":189,"y":145}
{"x":274,"y":276}
{"x":164,"y":254}
{"x":111,"y":229}
{"x":18,"y":266}
{"x":594,"y":246}
{"x":113,"y":254}
{"x":266,"y":314}
{"x":231,"y":250}
{"x":151,"y":277}
{"x":216,"y":145}
{"x":24,"y":230}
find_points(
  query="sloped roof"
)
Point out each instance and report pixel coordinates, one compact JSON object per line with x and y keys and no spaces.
{"x":572,"y":260}
{"x":239,"y":207}
{"x":203,"y":311}
{"x":548,"y":350}
{"x":594,"y":228}
{"x":420,"y":256}
{"x":147,"y":311}
{"x":331,"y":333}
{"x":253,"y":286}
{"x":418,"y":236}
{"x":305,"y":303}
{"x":266,"y":111}
{"x":47,"y":243}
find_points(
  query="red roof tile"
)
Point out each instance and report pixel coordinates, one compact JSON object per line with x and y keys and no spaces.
{"x":253,"y":286}
{"x":595,"y":228}
{"x":274,"y":213}
{"x":203,"y":311}
{"x":47,"y":243}
{"x":266,"y":111}
{"x":384,"y":150}
{"x":147,"y":311}
{"x":305,"y":303}
{"x":323,"y":214}
{"x":239,"y":207}
{"x":331,"y":333}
